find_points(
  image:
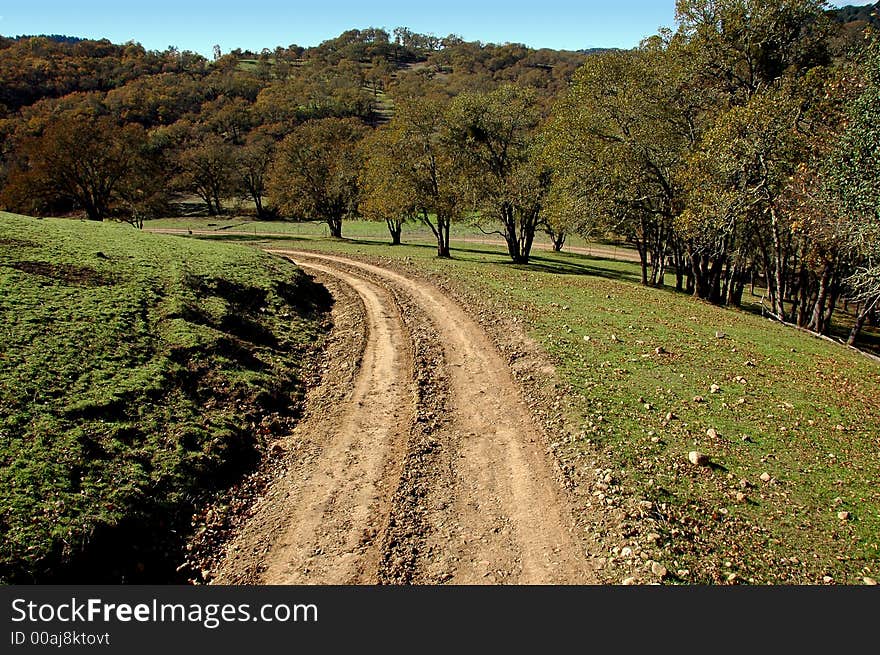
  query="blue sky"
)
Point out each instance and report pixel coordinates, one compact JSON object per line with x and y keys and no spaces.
{"x":198,"y":25}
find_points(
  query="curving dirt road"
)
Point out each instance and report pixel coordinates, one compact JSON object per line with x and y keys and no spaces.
{"x":428,"y":470}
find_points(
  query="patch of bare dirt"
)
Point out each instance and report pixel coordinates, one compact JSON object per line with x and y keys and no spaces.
{"x":64,"y":273}
{"x":12,"y":242}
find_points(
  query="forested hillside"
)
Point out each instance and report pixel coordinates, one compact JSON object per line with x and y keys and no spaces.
{"x":723,"y":149}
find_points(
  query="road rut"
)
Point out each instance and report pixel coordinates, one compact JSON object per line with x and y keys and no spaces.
{"x":485,"y":507}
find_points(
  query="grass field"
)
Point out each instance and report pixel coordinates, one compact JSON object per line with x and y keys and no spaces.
{"x":413,"y":233}
{"x":138,"y":373}
{"x":802,"y":412}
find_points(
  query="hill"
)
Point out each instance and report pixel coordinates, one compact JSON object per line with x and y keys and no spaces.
{"x":138,"y":375}
{"x":868,"y":14}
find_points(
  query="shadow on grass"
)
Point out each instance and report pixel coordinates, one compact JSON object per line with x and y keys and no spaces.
{"x":562,"y":264}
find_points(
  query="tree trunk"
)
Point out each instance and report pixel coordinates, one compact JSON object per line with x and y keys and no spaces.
{"x":443,"y":238}
{"x":817,"y":320}
{"x":395,"y":227}
{"x":441,"y":233}
{"x":642,"y":248}
{"x":778,"y":287}
{"x":558,"y":239}
{"x":697,"y":273}
{"x":678,"y":262}
{"x":715,"y":280}
{"x":860,"y":321}
{"x":733,"y":292}
{"x":510,"y":234}
{"x":335,"y":225}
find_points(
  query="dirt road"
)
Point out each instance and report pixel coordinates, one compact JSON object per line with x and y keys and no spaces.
{"x":424,"y":467}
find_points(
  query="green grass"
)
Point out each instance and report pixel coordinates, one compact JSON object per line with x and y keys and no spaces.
{"x":137,"y":373}
{"x":799,"y":408}
{"x":370,"y":231}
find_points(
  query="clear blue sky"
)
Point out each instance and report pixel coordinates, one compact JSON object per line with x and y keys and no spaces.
{"x":198,"y":25}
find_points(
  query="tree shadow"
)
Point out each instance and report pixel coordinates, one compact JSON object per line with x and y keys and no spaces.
{"x":565,"y":263}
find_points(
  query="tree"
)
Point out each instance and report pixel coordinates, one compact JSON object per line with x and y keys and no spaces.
{"x":744,"y":46}
{"x":736,"y":181}
{"x":383,"y":198}
{"x":230,"y":118}
{"x":251,"y":164}
{"x":315,"y":171}
{"x":207,"y":168}
{"x":854,"y":179}
{"x":80,"y":159}
{"x":496,"y":134}
{"x":618,"y":140}
{"x":412,"y":170}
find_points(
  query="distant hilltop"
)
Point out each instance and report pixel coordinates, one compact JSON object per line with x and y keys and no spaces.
{"x":59,"y":38}
{"x":869,"y":14}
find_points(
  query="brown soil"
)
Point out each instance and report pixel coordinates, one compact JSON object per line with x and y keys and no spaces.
{"x":421,"y":465}
{"x":65,"y":273}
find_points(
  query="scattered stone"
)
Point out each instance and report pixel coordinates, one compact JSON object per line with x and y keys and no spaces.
{"x":740,"y":497}
{"x":712,"y":433}
{"x":626,"y":551}
{"x":682,"y":573}
{"x":587,"y":337}
{"x":871,"y":582}
{"x":698,"y":399}
{"x":670,"y":416}
{"x":765,"y":477}
{"x":648,"y":406}
{"x":699,"y":459}
{"x":658,"y":569}
{"x":629,"y":581}
{"x":614,"y":338}
{"x":827,"y":579}
{"x":843,"y":516}
{"x":660,"y":350}
{"x":720,"y":335}
{"x":731,"y":577}
{"x":655,"y":439}
{"x":714,"y":388}
{"x":744,"y":484}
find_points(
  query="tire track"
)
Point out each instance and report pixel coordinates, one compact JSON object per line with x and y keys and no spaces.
{"x":335,"y":510}
{"x":494,"y":512}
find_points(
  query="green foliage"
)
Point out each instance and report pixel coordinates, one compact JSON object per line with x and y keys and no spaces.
{"x":744,"y":46}
{"x":138,"y":373}
{"x":81,"y":159}
{"x":855,"y":179}
{"x":495,"y":133}
{"x":856,"y":161}
{"x":618,"y":142}
{"x":413,"y":171}
{"x":315,"y":172}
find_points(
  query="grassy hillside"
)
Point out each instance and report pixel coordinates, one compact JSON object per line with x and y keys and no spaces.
{"x":137,"y":374}
{"x":801,"y":410}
